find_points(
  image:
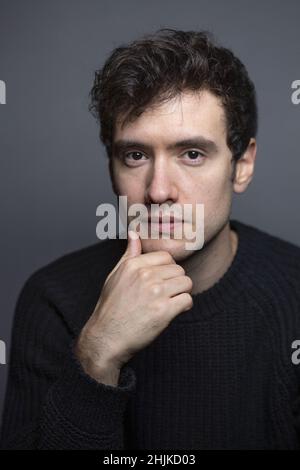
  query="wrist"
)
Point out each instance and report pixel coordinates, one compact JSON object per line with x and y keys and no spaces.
{"x":101,"y":367}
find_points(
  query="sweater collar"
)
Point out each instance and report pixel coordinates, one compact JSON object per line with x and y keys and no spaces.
{"x":226,"y":292}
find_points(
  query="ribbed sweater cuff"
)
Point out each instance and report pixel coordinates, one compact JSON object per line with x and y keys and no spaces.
{"x":89,"y":405}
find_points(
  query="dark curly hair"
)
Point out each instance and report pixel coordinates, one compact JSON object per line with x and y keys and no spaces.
{"x":158,"y":67}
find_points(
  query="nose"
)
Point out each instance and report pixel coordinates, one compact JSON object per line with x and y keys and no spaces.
{"x":161,"y":184}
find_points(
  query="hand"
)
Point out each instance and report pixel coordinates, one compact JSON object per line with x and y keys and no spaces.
{"x":140,"y":297}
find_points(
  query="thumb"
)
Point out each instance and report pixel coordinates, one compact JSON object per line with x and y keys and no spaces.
{"x":134,"y":246}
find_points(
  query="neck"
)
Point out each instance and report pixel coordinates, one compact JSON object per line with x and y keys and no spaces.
{"x":206,"y":266}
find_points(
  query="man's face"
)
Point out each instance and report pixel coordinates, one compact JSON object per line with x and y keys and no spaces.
{"x":176,"y":153}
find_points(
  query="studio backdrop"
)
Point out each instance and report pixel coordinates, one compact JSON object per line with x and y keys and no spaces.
{"x":54,"y":170}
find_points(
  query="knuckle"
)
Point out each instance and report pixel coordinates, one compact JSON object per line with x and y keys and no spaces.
{"x":144,"y":274}
{"x":181,"y":271}
{"x":189,"y":300}
{"x":156,"y":289}
{"x":167,"y":257}
{"x":189,"y":282}
{"x":170,"y":258}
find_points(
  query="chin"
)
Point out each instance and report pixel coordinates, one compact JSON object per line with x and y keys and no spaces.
{"x":176,"y":248}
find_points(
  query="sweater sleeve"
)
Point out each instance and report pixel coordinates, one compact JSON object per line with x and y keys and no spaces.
{"x":51,"y":403}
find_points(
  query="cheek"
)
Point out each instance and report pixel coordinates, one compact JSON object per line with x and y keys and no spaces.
{"x":133,"y":188}
{"x":214,"y":191}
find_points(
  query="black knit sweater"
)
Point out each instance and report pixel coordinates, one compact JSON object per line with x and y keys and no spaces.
{"x":220,"y":376}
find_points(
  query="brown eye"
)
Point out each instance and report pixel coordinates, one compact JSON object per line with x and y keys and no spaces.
{"x":134,"y":158}
{"x":135,"y":155}
{"x":194,"y":156}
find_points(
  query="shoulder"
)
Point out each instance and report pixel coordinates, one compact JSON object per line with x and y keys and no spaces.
{"x":83,"y":262}
{"x":275,"y":292}
{"x":71,"y":283}
{"x":275,"y":260}
{"x":281,"y":250}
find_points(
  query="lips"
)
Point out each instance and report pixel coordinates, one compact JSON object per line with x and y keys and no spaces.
{"x":164,"y":219}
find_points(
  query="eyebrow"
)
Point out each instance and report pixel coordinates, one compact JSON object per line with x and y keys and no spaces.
{"x":202,"y":142}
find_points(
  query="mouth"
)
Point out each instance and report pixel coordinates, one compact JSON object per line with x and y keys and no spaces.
{"x":164,"y":219}
{"x":164,"y":223}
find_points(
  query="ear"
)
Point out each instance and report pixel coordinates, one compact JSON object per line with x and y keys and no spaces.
{"x":245,"y":168}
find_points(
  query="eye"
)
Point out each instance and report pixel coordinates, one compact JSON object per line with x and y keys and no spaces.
{"x":194,"y":156}
{"x":133,"y":158}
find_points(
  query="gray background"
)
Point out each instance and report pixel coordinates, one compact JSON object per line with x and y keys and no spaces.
{"x":53,"y":168}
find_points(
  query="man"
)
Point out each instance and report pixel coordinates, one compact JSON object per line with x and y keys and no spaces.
{"x":141,"y":343}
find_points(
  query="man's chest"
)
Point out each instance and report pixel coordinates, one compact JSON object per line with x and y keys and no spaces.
{"x":201,"y":387}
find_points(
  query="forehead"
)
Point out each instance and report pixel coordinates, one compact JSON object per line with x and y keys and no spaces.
{"x":186,"y":115}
